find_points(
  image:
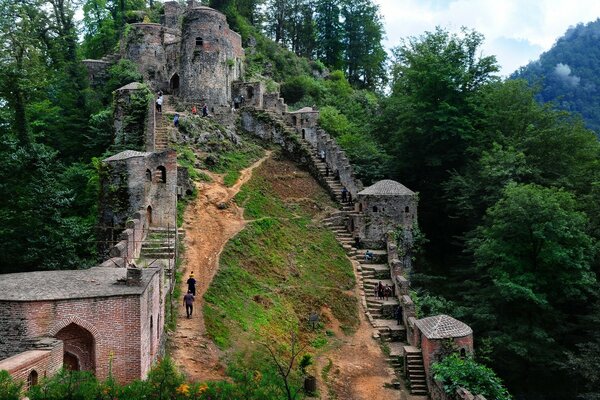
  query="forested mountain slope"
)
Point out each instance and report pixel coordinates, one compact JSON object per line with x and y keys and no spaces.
{"x":569,"y":73}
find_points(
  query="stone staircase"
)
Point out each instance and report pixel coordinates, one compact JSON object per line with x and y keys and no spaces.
{"x":160,"y":243}
{"x":415,"y":371}
{"x":163,"y":123}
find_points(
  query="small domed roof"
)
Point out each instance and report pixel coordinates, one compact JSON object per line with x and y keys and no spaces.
{"x":443,"y":327}
{"x":387,"y":187}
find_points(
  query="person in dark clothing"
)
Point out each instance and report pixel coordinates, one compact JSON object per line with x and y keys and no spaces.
{"x":188,"y":302}
{"x":380,"y":290}
{"x":327,"y":170}
{"x":205,"y":110}
{"x":336,"y":175}
{"x":176,"y":120}
{"x":344,"y":194}
{"x":399,"y":315}
{"x":191,"y":282}
{"x":357,"y":242}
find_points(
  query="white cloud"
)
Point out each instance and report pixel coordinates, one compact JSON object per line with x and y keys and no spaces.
{"x":516,"y":31}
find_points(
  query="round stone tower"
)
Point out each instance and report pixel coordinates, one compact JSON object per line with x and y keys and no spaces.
{"x":211,"y":57}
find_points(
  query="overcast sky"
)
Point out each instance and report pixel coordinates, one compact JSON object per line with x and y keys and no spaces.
{"x":516,"y":31}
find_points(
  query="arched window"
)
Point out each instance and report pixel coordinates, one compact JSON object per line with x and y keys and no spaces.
{"x":294,"y":120}
{"x":463,"y":353}
{"x":375,"y":209}
{"x":303,"y":134}
{"x":148,"y":175}
{"x":32,"y":379}
{"x":406,"y":209}
{"x":199,"y":42}
{"x":162,"y":174}
{"x":250,"y":92}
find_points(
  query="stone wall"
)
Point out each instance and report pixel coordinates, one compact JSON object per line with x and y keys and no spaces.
{"x":143,"y":44}
{"x":252,"y":93}
{"x":97,"y":71}
{"x":272,"y":101}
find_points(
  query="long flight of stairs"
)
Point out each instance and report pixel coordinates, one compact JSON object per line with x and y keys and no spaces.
{"x":163,"y":123}
{"x":380,"y":312}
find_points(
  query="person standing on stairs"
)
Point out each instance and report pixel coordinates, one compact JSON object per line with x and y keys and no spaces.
{"x":159,"y":103}
{"x":205,"y":110}
{"x":344,"y":194}
{"x":399,"y":314}
{"x":322,"y":155}
{"x":176,"y":121}
{"x":194,"y":111}
{"x":188,"y":302}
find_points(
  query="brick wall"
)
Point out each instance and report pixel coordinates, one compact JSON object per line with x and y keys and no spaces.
{"x":95,"y":330}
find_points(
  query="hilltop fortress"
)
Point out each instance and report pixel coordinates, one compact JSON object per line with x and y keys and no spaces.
{"x":113,"y":315}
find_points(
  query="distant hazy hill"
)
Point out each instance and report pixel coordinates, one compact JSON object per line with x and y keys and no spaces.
{"x":569,"y":73}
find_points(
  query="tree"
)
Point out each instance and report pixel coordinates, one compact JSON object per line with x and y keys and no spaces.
{"x":329,"y":29}
{"x":364,"y":55}
{"x":429,"y":121}
{"x":535,"y":256}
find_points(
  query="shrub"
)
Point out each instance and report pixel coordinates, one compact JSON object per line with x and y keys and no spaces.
{"x":455,"y":372}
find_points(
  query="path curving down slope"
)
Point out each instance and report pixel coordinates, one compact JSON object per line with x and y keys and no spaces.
{"x":208,"y":226}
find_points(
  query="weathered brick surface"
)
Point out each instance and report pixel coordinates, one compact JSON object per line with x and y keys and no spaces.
{"x":95,"y":329}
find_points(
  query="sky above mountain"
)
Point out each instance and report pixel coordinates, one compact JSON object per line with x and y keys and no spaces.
{"x":516,"y":31}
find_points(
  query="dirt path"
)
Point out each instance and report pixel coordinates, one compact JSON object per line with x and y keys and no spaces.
{"x":357,"y":368}
{"x":207,"y":230}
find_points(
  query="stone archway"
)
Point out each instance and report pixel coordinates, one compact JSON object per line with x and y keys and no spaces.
{"x":149,"y":215}
{"x":174,"y":83}
{"x":79,"y":347}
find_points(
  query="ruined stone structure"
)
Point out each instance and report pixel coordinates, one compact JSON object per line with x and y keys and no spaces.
{"x":197,"y":59}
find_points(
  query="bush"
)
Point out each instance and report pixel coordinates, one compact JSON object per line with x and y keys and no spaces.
{"x":455,"y":372}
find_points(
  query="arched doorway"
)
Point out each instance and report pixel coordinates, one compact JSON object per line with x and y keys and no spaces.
{"x":250,"y":92}
{"x":174,"y":83}
{"x":149,"y":215}
{"x":79,"y":348}
{"x":71,"y":362}
{"x":303,"y":134}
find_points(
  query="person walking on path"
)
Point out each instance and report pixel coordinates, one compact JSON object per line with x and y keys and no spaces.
{"x":159,"y":102}
{"x":188,"y":302}
{"x":344,"y":194}
{"x":205,"y":110}
{"x":380,"y":290}
{"x":194,"y":111}
{"x":191,"y":282}
{"x":176,"y":120}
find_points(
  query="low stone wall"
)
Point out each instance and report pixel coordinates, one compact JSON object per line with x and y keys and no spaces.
{"x":436,"y":392}
{"x":44,"y":359}
{"x":130,"y":245}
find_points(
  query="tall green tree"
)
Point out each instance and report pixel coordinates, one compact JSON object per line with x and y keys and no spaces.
{"x":329,"y":29}
{"x":535,"y":255}
{"x":364,"y":56}
{"x":429,"y":118}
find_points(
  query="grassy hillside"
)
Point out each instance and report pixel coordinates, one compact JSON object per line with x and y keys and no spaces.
{"x":282,"y":266}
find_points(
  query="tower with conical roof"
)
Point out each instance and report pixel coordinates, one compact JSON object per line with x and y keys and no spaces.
{"x":385,"y":206}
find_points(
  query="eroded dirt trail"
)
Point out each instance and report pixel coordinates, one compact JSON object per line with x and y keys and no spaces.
{"x":207,"y":230}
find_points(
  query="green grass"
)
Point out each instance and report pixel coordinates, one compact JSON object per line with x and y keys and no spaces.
{"x":233,"y":160}
{"x":274,"y":273}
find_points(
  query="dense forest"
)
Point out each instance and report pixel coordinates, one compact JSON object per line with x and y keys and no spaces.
{"x":567,"y":74}
{"x":509,"y":188}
